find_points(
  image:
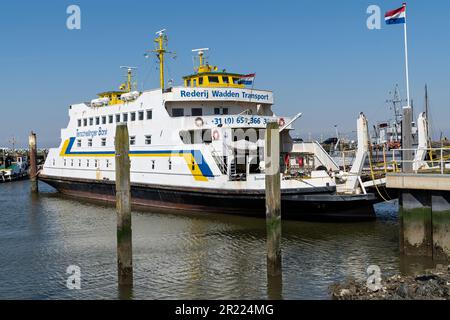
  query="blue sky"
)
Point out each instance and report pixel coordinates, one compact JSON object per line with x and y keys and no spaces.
{"x":318,"y":57}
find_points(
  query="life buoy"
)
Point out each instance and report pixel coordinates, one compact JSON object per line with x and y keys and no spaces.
{"x":300,"y":161}
{"x":216,"y":135}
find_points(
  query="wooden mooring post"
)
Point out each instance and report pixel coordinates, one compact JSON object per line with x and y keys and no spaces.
{"x":273,"y":199}
{"x":123,"y":208}
{"x":407,"y":153}
{"x":33,"y":162}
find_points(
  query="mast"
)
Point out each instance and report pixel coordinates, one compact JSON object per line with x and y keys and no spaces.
{"x":427,"y":109}
{"x":396,"y":104}
{"x":202,"y":67}
{"x":408,"y":99}
{"x":160,"y":54}
{"x":129,"y":80}
{"x":128,"y":86}
{"x":13,"y":143}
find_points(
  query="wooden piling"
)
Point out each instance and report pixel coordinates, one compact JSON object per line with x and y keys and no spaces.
{"x":123,"y":207}
{"x":273,"y":199}
{"x":407,"y":154}
{"x":33,"y":162}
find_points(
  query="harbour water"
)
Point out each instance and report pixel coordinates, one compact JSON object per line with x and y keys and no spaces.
{"x":179,"y":256}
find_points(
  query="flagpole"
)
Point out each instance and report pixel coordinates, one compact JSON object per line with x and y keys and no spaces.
{"x":406,"y":61}
{"x":407,"y":153}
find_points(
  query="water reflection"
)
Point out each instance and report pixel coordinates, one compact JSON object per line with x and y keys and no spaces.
{"x":125,"y":292}
{"x":275,"y":287}
{"x":179,"y":256}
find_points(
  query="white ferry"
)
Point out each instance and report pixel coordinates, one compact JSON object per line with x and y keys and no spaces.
{"x":196,"y":147}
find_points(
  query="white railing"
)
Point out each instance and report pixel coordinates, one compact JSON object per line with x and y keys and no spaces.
{"x":218,"y":158}
{"x":424,"y":160}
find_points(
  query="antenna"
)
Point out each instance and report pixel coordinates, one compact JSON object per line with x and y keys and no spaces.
{"x":201,"y":52}
{"x":160,"y":32}
{"x":129,"y":68}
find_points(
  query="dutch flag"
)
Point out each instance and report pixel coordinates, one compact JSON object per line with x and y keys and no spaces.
{"x":247,"y":79}
{"x":397,"y":16}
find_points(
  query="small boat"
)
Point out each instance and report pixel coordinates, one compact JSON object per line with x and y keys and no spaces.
{"x":13,"y":168}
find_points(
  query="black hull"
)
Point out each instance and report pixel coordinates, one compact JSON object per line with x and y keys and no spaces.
{"x":300,"y":204}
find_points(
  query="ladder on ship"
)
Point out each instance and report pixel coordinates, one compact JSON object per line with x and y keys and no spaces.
{"x":220,"y":162}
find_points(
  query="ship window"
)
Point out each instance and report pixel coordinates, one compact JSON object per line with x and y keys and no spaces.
{"x":53,"y":162}
{"x":200,"y":81}
{"x":148,"y":139}
{"x":188,"y":83}
{"x":78,"y":143}
{"x":104,"y":120}
{"x":132,"y":140}
{"x":79,"y":122}
{"x":125,"y":117}
{"x":97,"y":121}
{"x":177,"y":112}
{"x":213,"y":79}
{"x":91,"y":121}
{"x":103,"y":142}
{"x":84,"y":122}
{"x":149,"y":114}
{"x":170,"y":164}
{"x":141,"y":115}
{"x":65,"y":162}
{"x":218,"y":111}
{"x":107,"y":163}
{"x":79,"y":162}
{"x":196,"y":112}
{"x":153,"y":164}
{"x":194,"y":82}
{"x":87,"y":163}
{"x":71,"y":163}
{"x":236,"y":80}
{"x":89,"y":142}
{"x":117,"y":118}
{"x":133,"y":116}
{"x":110,"y":119}
{"x":225,"y":79}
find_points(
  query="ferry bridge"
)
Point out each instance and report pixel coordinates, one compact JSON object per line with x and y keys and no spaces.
{"x":424,"y":202}
{"x":420,"y":176}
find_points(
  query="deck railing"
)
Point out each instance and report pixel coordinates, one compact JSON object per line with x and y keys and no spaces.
{"x":433,"y":160}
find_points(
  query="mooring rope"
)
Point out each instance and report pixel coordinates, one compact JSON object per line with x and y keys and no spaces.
{"x":373,"y":175}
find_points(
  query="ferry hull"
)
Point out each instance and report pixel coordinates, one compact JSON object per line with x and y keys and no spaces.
{"x":298,"y":204}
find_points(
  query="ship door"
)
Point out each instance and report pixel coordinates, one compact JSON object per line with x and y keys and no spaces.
{"x":239,"y":165}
